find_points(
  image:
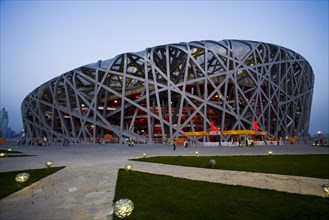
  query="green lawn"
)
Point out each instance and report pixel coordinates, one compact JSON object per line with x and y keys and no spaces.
{"x":13,"y":153}
{"x":298,"y":165}
{"x":17,"y":155}
{"x":9,"y":185}
{"x":7,"y":151}
{"x":163,"y":197}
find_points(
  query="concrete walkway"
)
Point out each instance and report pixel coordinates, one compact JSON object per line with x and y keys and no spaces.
{"x":85,"y":188}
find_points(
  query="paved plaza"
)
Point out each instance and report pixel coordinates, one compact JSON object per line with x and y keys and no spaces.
{"x":85,"y":188}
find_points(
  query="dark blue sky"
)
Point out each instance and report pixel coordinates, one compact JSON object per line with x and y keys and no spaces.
{"x":41,"y":40}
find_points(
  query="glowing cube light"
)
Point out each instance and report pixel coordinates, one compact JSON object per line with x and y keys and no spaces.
{"x":197,"y":153}
{"x":49,"y":163}
{"x":129,"y":167}
{"x":144,"y":155}
{"x":9,"y":149}
{"x":22,"y":177}
{"x":270,"y":153}
{"x":2,"y":154}
{"x":123,"y":208}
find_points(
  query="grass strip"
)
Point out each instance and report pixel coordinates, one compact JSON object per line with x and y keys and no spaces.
{"x":17,"y":155}
{"x":9,"y":185}
{"x":7,"y":151}
{"x":298,"y":165}
{"x":13,"y":153}
{"x":164,"y":197}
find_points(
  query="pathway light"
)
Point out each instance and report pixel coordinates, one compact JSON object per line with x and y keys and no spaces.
{"x":325,"y":189}
{"x":129,"y":167}
{"x":49,"y":163}
{"x":212,"y":163}
{"x":22,"y":177}
{"x":123,"y":208}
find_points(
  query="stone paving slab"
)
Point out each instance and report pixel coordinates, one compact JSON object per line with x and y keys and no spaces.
{"x":71,"y":193}
{"x":284,"y":183}
{"x":85,"y":188}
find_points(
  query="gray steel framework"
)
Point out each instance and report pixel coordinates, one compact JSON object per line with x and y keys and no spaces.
{"x":170,"y":89}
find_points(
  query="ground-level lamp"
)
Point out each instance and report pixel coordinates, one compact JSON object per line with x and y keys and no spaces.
{"x":129,"y":167}
{"x":2,"y":154}
{"x":196,"y":153}
{"x":49,"y":163}
{"x":212,"y":163}
{"x":144,"y":155}
{"x":325,"y":189}
{"x":22,"y":177}
{"x":123,"y":208}
{"x":270,"y":153}
{"x":9,"y":149}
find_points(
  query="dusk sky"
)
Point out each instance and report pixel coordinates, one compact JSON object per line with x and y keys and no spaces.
{"x":41,"y":40}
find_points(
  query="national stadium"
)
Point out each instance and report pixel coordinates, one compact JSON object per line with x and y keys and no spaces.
{"x":208,"y":91}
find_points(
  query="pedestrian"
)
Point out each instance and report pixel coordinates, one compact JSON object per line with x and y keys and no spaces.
{"x":252,"y":143}
{"x":174,"y":145}
{"x":186,"y":144}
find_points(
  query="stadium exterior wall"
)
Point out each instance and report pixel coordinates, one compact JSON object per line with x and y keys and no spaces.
{"x":165,"y":91}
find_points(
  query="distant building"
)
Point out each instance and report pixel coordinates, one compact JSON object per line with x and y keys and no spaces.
{"x":3,"y":123}
{"x":167,"y":90}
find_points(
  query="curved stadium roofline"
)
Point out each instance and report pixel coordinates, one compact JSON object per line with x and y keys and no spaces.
{"x":167,"y":90}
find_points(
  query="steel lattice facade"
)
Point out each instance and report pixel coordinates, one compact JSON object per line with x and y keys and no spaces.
{"x":170,"y":89}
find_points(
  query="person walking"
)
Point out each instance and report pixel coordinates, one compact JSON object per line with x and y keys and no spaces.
{"x":186,"y":143}
{"x":252,"y":143}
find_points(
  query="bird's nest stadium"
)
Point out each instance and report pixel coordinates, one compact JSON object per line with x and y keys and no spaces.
{"x":169,"y":91}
